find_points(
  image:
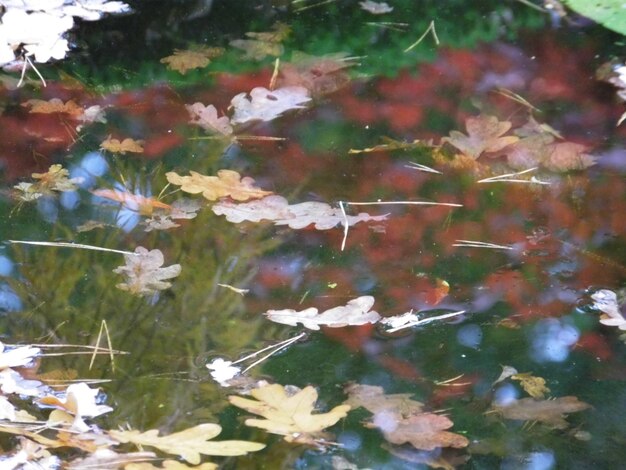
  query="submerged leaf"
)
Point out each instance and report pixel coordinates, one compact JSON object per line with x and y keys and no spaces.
{"x":55,"y":105}
{"x":183,"y":61}
{"x":206,"y":117}
{"x":265,"y":105}
{"x":484,"y":135}
{"x":376,"y":8}
{"x":144,"y":274}
{"x":374,"y":399}
{"x":356,"y":312}
{"x":188,"y":444}
{"x":534,"y":386}
{"x":288,"y":414}
{"x":227,"y":183}
{"x":551,"y":412}
{"x":296,"y":216}
{"x":126,"y":145}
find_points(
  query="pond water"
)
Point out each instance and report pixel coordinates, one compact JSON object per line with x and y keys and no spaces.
{"x":521,"y":374}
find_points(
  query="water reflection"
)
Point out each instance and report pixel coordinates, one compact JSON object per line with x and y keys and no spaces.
{"x":552,"y":339}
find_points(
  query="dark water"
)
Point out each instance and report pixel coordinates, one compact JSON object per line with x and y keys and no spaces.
{"x":527,"y":301}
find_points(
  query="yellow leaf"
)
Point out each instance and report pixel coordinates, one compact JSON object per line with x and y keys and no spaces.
{"x":227,"y":183}
{"x":55,"y":105}
{"x":170,"y":465}
{"x":126,"y":145}
{"x":287,"y":414}
{"x":534,"y":386}
{"x":182,"y":61}
{"x":188,"y":444}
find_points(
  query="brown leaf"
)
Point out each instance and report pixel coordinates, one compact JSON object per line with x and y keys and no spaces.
{"x":288,"y":411}
{"x":144,"y":274}
{"x":534,"y":386}
{"x":55,"y":105}
{"x":319,"y":75}
{"x":183,"y":61}
{"x":484,"y":135}
{"x":551,"y":412}
{"x":126,"y":145}
{"x":374,"y":399}
{"x":227,"y":183}
{"x":206,"y":117}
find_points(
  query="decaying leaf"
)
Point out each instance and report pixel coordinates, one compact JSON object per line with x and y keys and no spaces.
{"x":605,"y":300}
{"x":17,"y":356}
{"x":135,"y":202}
{"x":227,"y":183}
{"x":296,"y":216}
{"x":356,"y":312}
{"x":171,"y":465}
{"x":55,"y":179}
{"x":260,"y":45}
{"x":319,"y":75}
{"x":484,"y":135}
{"x":126,"y":145}
{"x":288,"y":411}
{"x":188,"y":444}
{"x":426,"y":431}
{"x":183,"y":61}
{"x":144,"y":274}
{"x":55,"y":105}
{"x":551,"y":412}
{"x":106,"y":458}
{"x":163,"y":219}
{"x":262,"y":104}
{"x":206,"y":117}
{"x":376,"y":8}
{"x":80,"y":401}
{"x":374,"y":399}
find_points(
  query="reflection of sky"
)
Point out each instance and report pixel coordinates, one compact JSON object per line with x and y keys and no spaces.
{"x":92,"y":166}
{"x":532,"y":461}
{"x":552,"y":339}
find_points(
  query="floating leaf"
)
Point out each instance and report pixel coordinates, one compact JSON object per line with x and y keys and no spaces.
{"x":171,"y":465}
{"x":183,"y":61}
{"x":144,"y":274}
{"x":163,"y":219}
{"x":296,"y":216}
{"x":376,"y":8}
{"x":288,"y":413}
{"x":374,"y":399}
{"x":126,"y":145}
{"x":135,"y":202}
{"x":206,"y":117}
{"x":188,"y":444}
{"x":55,"y":179}
{"x":356,"y":312}
{"x":605,"y":300}
{"x":17,"y":356}
{"x":319,"y":75}
{"x":484,"y":135}
{"x":55,"y":105}
{"x":106,"y":458}
{"x":260,"y":45}
{"x":264,"y":105}
{"x":551,"y":412}
{"x":534,"y":386}
{"x":227,"y":183}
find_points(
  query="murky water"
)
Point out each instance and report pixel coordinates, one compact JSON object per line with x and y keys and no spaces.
{"x":521,"y":258}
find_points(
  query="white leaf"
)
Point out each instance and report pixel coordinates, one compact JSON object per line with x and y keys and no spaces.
{"x":265,"y":105}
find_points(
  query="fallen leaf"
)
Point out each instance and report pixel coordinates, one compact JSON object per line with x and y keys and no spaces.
{"x":551,"y":412}
{"x":507,"y":371}
{"x":484,"y":135}
{"x":188,"y":444}
{"x":296,"y":216}
{"x":260,"y":45}
{"x":356,"y":312}
{"x":206,"y":117}
{"x":319,"y":75}
{"x":227,"y":183}
{"x":17,"y":356}
{"x":605,"y":300}
{"x":534,"y":386}
{"x":135,"y":202}
{"x":183,"y":61}
{"x":163,"y":219}
{"x":126,"y":145}
{"x":171,"y":465}
{"x":144,"y":274}
{"x":262,"y":104}
{"x":55,"y":105}
{"x":55,"y":179}
{"x":106,"y":458}
{"x":374,"y":399}
{"x":376,"y":8}
{"x":12,"y":382}
{"x":288,"y":413}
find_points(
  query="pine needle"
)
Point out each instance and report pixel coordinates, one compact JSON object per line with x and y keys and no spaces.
{"x":71,"y":245}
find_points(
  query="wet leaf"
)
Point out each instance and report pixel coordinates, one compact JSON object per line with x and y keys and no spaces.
{"x":144,"y":274}
{"x":188,"y":444}
{"x":55,"y":179}
{"x":296,"y":216}
{"x":17,"y":356}
{"x":171,"y":465}
{"x":227,"y":183}
{"x":534,"y":386}
{"x":260,"y":45}
{"x":183,"y":61}
{"x":426,"y":431}
{"x":135,"y":202}
{"x":319,"y":75}
{"x":605,"y":300}
{"x":376,"y":8}
{"x":262,"y":104}
{"x":55,"y":105}
{"x":551,"y":412}
{"x":484,"y":135}
{"x":206,"y":117}
{"x":126,"y":145}
{"x":288,"y":413}
{"x":356,"y":312}
{"x":106,"y":458}
{"x":163,"y":219}
{"x":374,"y":399}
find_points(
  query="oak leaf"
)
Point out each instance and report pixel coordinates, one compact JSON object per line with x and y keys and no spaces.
{"x":163,"y":219}
{"x":227,"y":183}
{"x":183,"y":61}
{"x":534,"y":386}
{"x":55,"y":105}
{"x":188,"y":444}
{"x":296,"y":216}
{"x":319,"y":75}
{"x":288,"y":411}
{"x":484,"y":135}
{"x":260,"y":45}
{"x":55,"y":179}
{"x":356,"y":312}
{"x":126,"y":145}
{"x":551,"y":412}
{"x":262,"y":104}
{"x":206,"y":117}
{"x":143,"y":272}
{"x":374,"y":399}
